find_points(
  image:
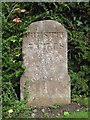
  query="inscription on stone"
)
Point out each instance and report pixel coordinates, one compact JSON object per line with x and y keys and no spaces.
{"x":46,"y":78}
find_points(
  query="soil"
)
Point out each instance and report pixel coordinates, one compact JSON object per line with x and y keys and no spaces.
{"x":53,"y":111}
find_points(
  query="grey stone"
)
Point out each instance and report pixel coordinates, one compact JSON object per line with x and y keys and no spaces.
{"x":35,"y":110}
{"x":45,"y":80}
{"x":33,"y":115}
{"x":43,"y":110}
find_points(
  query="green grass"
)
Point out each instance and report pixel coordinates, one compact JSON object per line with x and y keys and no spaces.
{"x":80,"y":114}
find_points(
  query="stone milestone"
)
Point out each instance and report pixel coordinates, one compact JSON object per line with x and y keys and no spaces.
{"x":45,"y":80}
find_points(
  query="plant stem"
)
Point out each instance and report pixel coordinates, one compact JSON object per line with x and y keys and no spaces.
{"x":11,"y":10}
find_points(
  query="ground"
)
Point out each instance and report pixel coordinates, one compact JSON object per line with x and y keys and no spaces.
{"x":57,"y":111}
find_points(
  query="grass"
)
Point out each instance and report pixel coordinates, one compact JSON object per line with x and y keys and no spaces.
{"x":81,"y":114}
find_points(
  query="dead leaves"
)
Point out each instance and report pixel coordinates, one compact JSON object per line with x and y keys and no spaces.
{"x":17,"y":20}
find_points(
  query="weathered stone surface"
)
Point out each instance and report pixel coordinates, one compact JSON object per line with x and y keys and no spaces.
{"x":45,"y":80}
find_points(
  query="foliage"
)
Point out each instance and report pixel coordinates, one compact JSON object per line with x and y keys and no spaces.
{"x":81,"y":114}
{"x":54,"y":106}
{"x":83,"y":101}
{"x":18,"y":108}
{"x":15,"y":19}
{"x":66,"y":113}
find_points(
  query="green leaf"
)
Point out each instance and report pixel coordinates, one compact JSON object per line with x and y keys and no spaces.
{"x":79,"y":23}
{"x":66,"y":113}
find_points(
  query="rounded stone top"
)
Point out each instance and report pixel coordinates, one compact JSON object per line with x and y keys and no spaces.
{"x":46,"y":26}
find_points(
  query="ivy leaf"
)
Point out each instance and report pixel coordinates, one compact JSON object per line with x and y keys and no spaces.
{"x":79,"y":23}
{"x":12,"y":38}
